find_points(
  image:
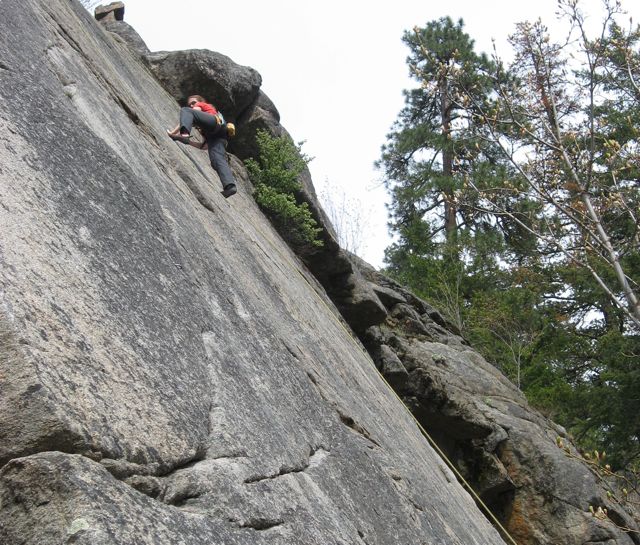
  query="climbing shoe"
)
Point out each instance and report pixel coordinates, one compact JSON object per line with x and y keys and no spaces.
{"x":229,"y":190}
{"x":182,"y":139}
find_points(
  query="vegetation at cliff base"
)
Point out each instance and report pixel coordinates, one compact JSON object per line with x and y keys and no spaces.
{"x":275,"y":176}
{"x":515,"y":199}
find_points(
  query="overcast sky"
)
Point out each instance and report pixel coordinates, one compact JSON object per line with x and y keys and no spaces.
{"x":334,"y":69}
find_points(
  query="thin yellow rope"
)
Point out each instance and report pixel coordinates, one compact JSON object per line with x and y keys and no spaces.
{"x":424,"y":432}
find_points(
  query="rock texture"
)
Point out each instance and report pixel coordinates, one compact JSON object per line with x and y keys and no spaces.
{"x":232,"y":88}
{"x":506,"y":449}
{"x":170,"y":372}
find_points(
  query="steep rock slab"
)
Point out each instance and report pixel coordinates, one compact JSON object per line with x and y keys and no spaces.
{"x":235,"y":89}
{"x":169,"y":371}
{"x":479,"y":447}
{"x":505,"y":448}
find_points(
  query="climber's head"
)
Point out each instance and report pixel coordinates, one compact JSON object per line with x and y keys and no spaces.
{"x":193,"y":99}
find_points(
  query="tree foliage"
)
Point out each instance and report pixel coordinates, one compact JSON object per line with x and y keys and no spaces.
{"x":539,"y":160}
{"x":558,"y":124}
{"x":275,"y":176}
{"x":433,"y":149}
{"x":432,"y":145}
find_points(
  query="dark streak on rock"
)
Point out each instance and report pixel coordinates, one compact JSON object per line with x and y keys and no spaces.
{"x":132,"y":115}
{"x":230,"y":456}
{"x":290,"y":350}
{"x":69,"y":39}
{"x":351,"y":423}
{"x":285,"y":470}
{"x":262,"y":524}
{"x":193,"y":185}
{"x":182,"y":500}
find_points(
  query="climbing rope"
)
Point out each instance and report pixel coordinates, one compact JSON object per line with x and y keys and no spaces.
{"x":424,"y":432}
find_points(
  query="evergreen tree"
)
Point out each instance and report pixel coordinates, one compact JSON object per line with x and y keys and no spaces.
{"x":430,"y":155}
{"x":515,"y":201}
{"x":573,"y":118}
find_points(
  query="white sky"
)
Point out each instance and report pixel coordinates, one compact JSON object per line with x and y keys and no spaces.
{"x":334,"y":69}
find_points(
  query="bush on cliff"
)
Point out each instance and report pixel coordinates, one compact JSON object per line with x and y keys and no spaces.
{"x":275,"y":177}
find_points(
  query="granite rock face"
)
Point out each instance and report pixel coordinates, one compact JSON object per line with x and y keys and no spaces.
{"x":507,"y":450}
{"x":236,"y":92}
{"x":170,"y":372}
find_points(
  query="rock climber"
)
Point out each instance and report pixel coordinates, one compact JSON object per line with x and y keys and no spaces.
{"x":215,"y":131}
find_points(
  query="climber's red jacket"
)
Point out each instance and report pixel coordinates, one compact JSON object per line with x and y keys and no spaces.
{"x":206,"y":108}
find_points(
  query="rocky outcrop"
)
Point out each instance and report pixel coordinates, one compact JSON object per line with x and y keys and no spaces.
{"x":507,"y":450}
{"x":110,"y":12}
{"x":232,"y":88}
{"x":236,"y":91}
{"x":170,"y":372}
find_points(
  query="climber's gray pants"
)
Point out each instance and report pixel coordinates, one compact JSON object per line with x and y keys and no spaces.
{"x":215,"y":135}
{"x":218,"y":156}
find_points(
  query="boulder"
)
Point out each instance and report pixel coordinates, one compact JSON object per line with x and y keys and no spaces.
{"x":230,"y":87}
{"x":111,"y":12}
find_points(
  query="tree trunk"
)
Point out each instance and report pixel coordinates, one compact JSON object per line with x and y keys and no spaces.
{"x":450,"y":209}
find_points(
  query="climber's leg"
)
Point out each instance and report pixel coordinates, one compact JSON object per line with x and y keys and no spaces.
{"x":219,"y":162}
{"x":190,"y":117}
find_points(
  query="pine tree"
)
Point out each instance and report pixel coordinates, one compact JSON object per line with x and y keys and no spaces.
{"x":515,"y":202}
{"x":430,"y":154}
{"x":567,"y":120}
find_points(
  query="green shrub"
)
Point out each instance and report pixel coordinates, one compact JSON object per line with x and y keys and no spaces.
{"x":275,"y":177}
